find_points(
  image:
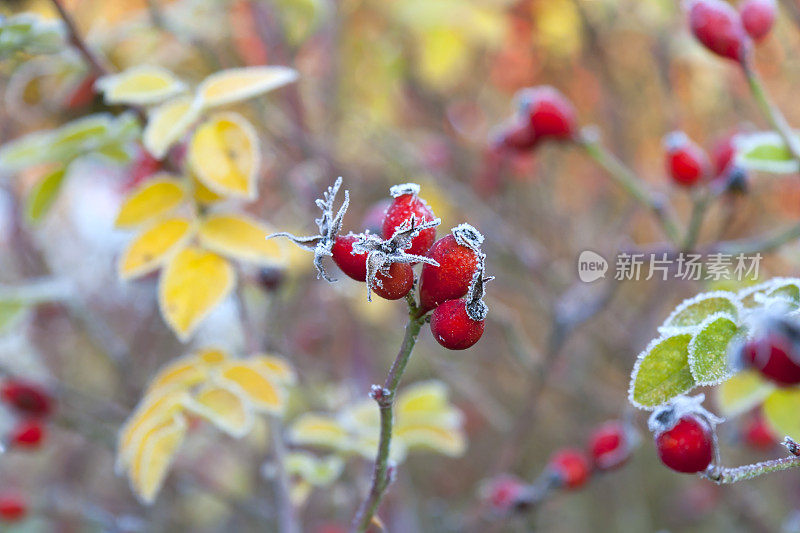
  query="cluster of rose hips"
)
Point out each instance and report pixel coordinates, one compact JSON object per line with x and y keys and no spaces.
{"x":32,"y":404}
{"x":609,"y":447}
{"x":689,"y":165}
{"x":727,"y":32}
{"x":453,"y":276}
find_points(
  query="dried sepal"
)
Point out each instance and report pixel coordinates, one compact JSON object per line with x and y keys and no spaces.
{"x":381,"y":254}
{"x":476,"y":307}
{"x":329,"y":226}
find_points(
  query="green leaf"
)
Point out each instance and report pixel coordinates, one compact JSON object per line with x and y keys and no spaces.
{"x":782,"y":412}
{"x":765,"y":151}
{"x":662,"y":372}
{"x":44,"y":194}
{"x":692,"y":312}
{"x":747,"y":296}
{"x":708,"y":351}
{"x":742,"y":392}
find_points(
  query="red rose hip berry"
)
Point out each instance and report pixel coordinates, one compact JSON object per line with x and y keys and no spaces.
{"x":396,"y":284}
{"x":406,"y":204}
{"x":27,"y":434}
{"x":687,"y":163}
{"x":717,"y":25}
{"x":758,"y":16}
{"x":775,"y":356}
{"x":609,"y":446}
{"x":687,"y":446}
{"x":550,"y":114}
{"x":453,"y":328}
{"x":354,"y":265}
{"x":13,"y":508}
{"x":570,"y":467}
{"x":26,"y":397}
{"x":458,"y":255}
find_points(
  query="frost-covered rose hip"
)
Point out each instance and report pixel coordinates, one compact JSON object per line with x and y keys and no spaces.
{"x":407,"y":203}
{"x":758,"y":16}
{"x":458,"y":256}
{"x":717,"y":25}
{"x":687,"y":163}
{"x":354,"y":265}
{"x":775,"y":356}
{"x":396,"y":283}
{"x":687,"y":447}
{"x":684,"y":434}
{"x":453,"y":328}
{"x":550,"y":114}
{"x":570,"y":468}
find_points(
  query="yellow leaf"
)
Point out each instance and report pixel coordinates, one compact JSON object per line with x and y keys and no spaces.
{"x":152,"y":199}
{"x":257,"y":388}
{"x":782,"y":412}
{"x":202,"y":194}
{"x":152,"y":247}
{"x":140,"y":85}
{"x":152,"y":411}
{"x":447,"y":441}
{"x":241,"y":237}
{"x":742,"y":392}
{"x":182,"y":373}
{"x":319,"y":472}
{"x":158,"y":453}
{"x":167,"y":123}
{"x":224,"y":155}
{"x":193,"y":282}
{"x":237,"y":84}
{"x":276,"y":367}
{"x":311,"y":429}
{"x":224,"y":407}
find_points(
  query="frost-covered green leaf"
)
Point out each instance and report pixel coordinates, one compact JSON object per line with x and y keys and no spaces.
{"x":790,"y":291}
{"x":694,"y":311}
{"x":742,"y":392}
{"x":31,"y":34}
{"x":44,"y":194}
{"x":765,"y":151}
{"x":782,"y":412}
{"x":749,"y":296}
{"x":662,"y":372}
{"x":708,"y":350}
